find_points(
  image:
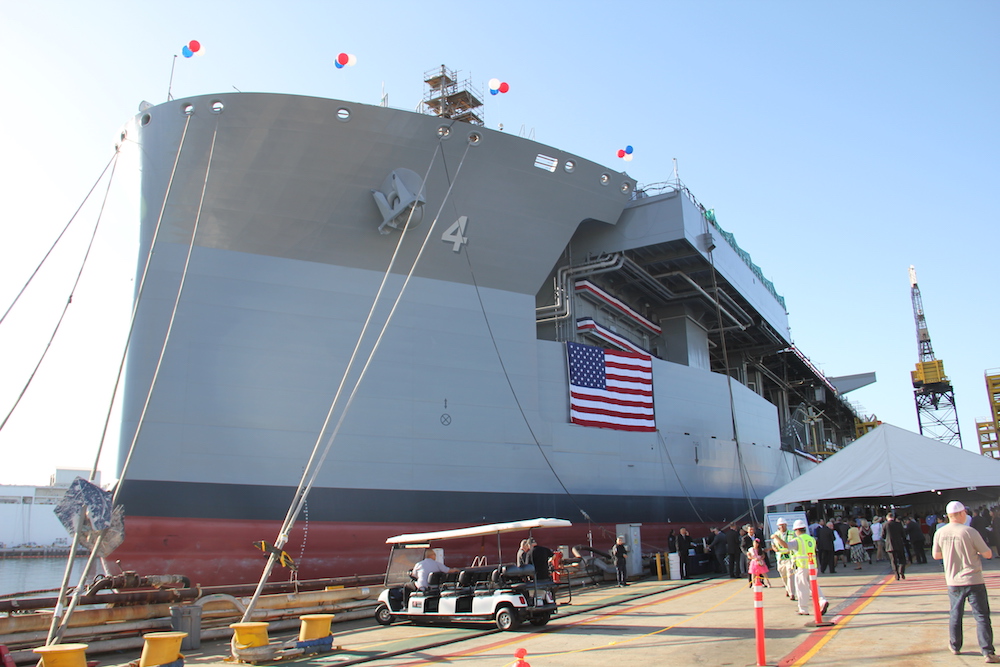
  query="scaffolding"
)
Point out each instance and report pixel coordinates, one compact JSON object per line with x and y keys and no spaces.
{"x":450,"y":98}
{"x":988,"y":429}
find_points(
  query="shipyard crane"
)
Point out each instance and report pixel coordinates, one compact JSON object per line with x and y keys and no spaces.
{"x":937,"y":416}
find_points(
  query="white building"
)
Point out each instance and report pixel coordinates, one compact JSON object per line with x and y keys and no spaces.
{"x":26,"y":515}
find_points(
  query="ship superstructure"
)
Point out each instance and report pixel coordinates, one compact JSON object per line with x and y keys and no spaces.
{"x":280,"y":220}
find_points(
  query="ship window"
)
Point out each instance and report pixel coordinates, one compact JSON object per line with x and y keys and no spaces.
{"x":343,"y":114}
{"x":626,"y":187}
{"x":217,"y":106}
{"x":569,"y":166}
{"x":146,"y":118}
{"x":605,"y":179}
{"x":475,"y":138}
{"x":545,"y":162}
{"x":444,"y":131}
{"x":187,"y":109}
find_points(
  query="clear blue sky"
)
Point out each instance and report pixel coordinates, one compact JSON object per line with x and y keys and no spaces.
{"x":840,"y":142}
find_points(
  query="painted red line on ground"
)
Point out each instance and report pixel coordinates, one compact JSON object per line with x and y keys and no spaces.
{"x":521,"y":638}
{"x":818,"y":634}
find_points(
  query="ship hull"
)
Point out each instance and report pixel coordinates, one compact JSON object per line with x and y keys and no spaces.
{"x":260,"y":215}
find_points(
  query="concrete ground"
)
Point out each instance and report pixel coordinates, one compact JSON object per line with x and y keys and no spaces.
{"x":874,"y":619}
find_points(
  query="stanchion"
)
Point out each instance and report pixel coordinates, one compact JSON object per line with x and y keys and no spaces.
{"x":659,"y":567}
{"x":758,"y":608}
{"x":814,"y":589}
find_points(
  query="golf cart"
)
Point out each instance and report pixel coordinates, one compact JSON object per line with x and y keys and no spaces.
{"x":502,"y":593}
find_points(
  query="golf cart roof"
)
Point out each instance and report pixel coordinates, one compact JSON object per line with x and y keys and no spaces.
{"x":477,"y":531}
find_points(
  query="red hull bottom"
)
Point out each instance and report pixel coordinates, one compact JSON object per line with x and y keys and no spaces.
{"x":213,"y":552}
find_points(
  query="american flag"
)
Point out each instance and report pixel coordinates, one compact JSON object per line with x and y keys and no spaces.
{"x":610,"y":389}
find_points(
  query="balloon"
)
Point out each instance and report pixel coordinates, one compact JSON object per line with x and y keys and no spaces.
{"x":194,"y":45}
{"x":504,"y":87}
{"x":493,"y":92}
{"x":494,"y":84}
{"x":338,"y":65}
{"x":351,"y":60}
{"x":628,"y":157}
{"x":343,"y":58}
{"x":186,"y":52}
{"x":621,"y":153}
{"x":628,"y":149}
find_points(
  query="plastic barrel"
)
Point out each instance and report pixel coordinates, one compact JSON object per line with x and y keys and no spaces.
{"x":187,"y":618}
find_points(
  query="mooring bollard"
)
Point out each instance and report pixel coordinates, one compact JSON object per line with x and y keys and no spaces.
{"x":162,"y":648}
{"x":63,"y":655}
{"x":314,"y":633}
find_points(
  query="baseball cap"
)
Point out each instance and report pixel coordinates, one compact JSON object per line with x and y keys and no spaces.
{"x":799,"y":523}
{"x":954,"y":507}
{"x":782,"y":521}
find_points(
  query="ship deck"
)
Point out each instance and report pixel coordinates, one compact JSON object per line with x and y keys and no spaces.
{"x":702,"y":621}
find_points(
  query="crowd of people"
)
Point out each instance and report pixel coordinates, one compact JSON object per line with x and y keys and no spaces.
{"x":842,"y":541}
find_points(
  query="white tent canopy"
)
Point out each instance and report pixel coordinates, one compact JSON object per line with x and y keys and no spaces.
{"x":890,"y":462}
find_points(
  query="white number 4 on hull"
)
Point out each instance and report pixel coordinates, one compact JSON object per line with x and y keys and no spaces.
{"x":456,"y":234}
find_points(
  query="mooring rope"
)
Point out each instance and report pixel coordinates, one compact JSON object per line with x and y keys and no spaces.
{"x":315,"y":465}
{"x":56,"y":636}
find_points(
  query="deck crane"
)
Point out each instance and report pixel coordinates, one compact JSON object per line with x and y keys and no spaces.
{"x":937,"y":416}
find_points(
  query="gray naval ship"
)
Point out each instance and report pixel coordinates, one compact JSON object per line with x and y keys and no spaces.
{"x":441,"y":274}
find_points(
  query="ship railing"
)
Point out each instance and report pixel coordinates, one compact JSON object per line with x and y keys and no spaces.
{"x":667,"y":187}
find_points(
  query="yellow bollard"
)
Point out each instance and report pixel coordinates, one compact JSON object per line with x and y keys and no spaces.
{"x":659,"y":568}
{"x":249,"y":635}
{"x":314,"y":626}
{"x":63,"y":655}
{"x":161,"y":648}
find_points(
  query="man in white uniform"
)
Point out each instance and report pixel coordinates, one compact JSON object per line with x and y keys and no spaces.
{"x":423,"y":570}
{"x":801,"y":547}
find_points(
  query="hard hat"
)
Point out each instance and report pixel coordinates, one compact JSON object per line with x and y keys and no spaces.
{"x":782,"y":521}
{"x":799,"y":523}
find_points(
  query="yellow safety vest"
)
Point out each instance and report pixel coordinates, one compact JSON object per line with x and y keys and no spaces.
{"x":806,"y":545}
{"x":784,"y":553}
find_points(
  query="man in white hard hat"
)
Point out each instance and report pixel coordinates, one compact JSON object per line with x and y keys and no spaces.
{"x":786,"y":568}
{"x":963,"y":549}
{"x":801,"y":547}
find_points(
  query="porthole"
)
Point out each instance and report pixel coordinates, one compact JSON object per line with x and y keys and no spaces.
{"x":343,"y":114}
{"x":187,"y":109}
{"x":569,"y":166}
{"x":444,"y":132}
{"x":475,"y":138}
{"x":605,"y":179}
{"x":217,"y":106}
{"x":145,"y":119}
{"x":626,"y":187}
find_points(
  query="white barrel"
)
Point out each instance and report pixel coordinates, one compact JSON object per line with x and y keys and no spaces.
{"x":674,"y":562}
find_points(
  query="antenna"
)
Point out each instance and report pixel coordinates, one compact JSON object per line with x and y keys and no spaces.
{"x":170,"y":85}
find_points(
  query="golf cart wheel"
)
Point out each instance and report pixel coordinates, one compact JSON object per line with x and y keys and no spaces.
{"x":506,"y":618}
{"x":383,"y":616}
{"x":540,"y":620}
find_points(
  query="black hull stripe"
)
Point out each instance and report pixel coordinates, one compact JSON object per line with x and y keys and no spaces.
{"x":270,"y":503}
